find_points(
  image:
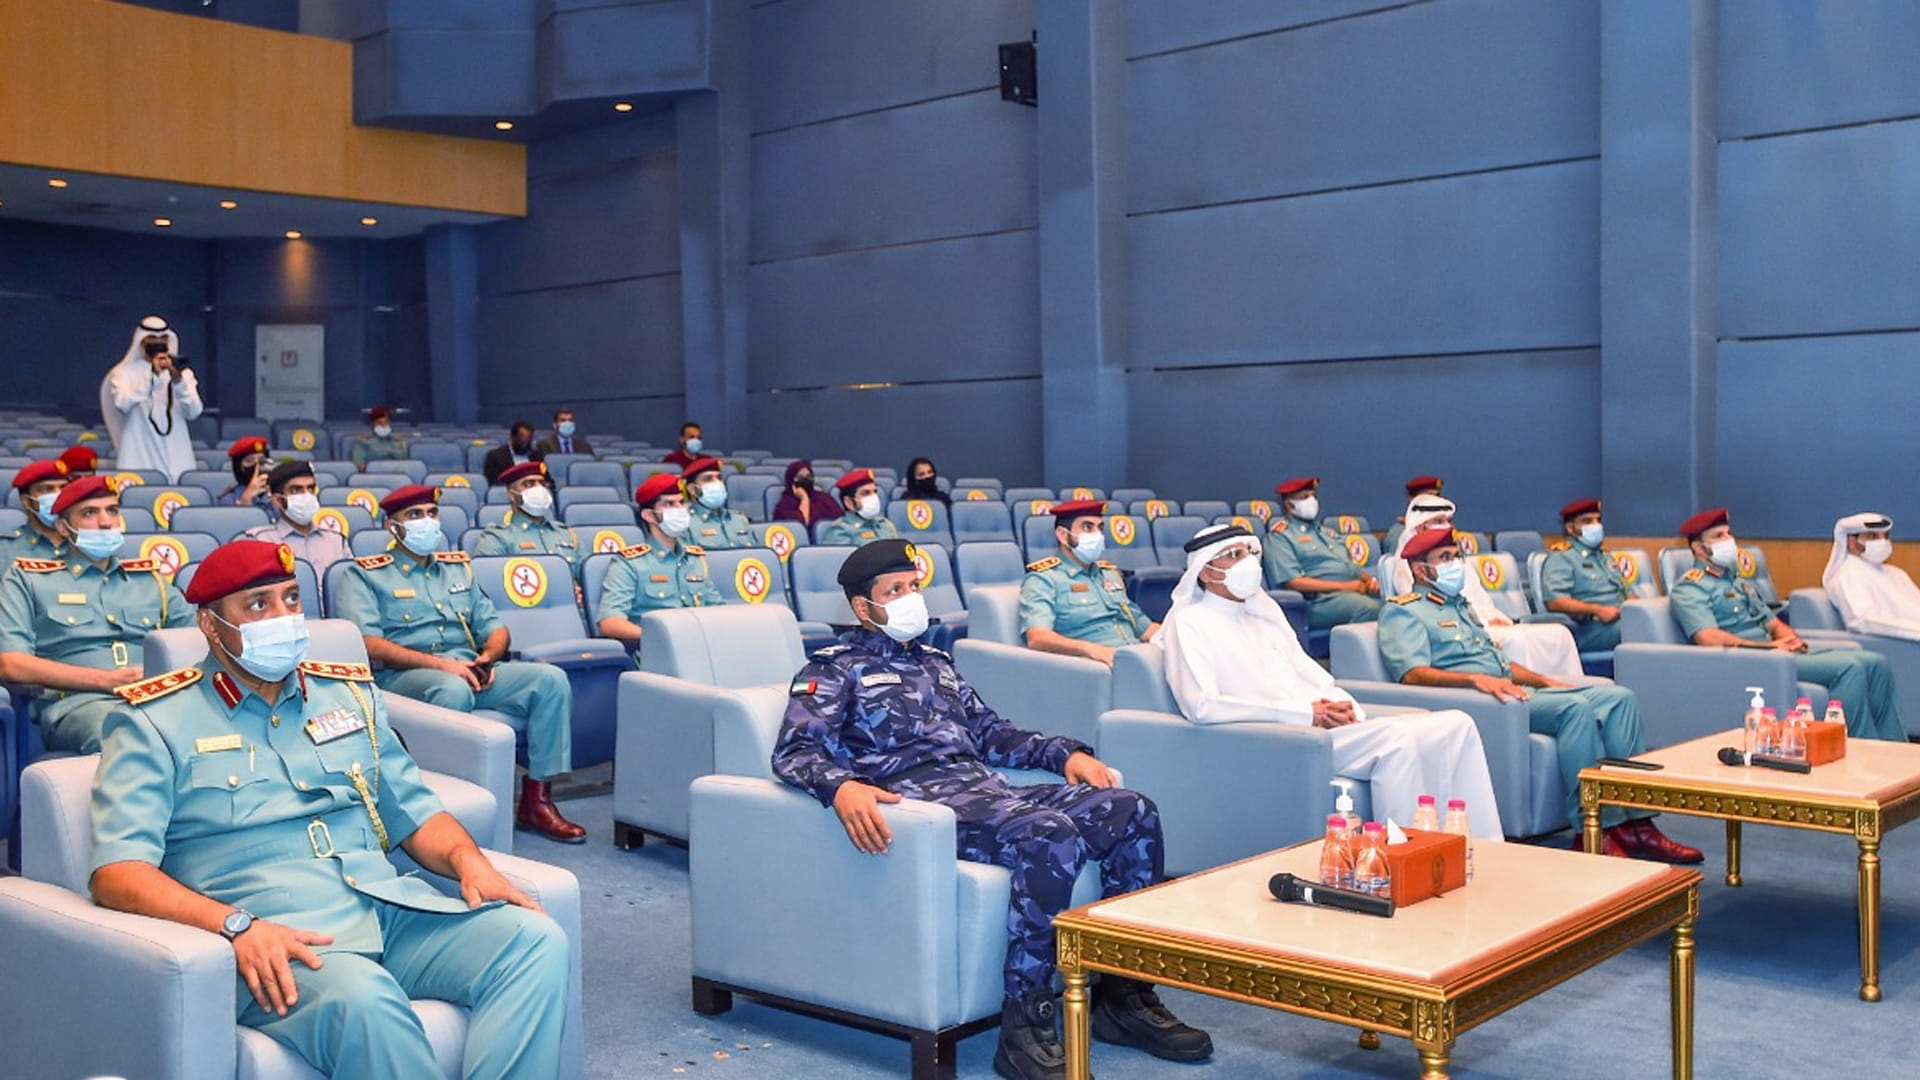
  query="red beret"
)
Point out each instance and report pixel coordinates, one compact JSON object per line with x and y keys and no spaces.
{"x":1425,"y":541}
{"x":851,"y":482}
{"x":1579,"y":506}
{"x":699,"y":465}
{"x":79,"y":458}
{"x":650,"y":489}
{"x":1295,"y":485}
{"x":521,"y":472}
{"x":251,"y":444}
{"x":29,"y":475}
{"x":239,"y":564}
{"x":379,"y":412}
{"x":87,"y":487}
{"x":1423,"y":483}
{"x":1064,"y":512}
{"x":1702,"y":521}
{"x":411,"y":495}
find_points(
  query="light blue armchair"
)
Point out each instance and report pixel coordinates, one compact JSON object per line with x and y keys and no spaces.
{"x":160,"y":996}
{"x":1689,"y":690}
{"x":695,"y":669}
{"x":1817,"y":620}
{"x":1040,"y":691}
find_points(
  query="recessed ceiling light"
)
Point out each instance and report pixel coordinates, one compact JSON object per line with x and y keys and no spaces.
{"x":623,"y":106}
{"x":228,"y":204}
{"x":369,"y":221}
{"x":56,"y":182}
{"x":293,"y":234}
{"x":503,"y":125}
{"x":163,"y":222}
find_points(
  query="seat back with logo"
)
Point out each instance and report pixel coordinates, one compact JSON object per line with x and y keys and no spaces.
{"x":1500,"y":576}
{"x":979,"y":521}
{"x":1473,"y":543}
{"x":171,"y":550}
{"x":1345,"y":524}
{"x":1152,"y":509}
{"x":937,"y":582}
{"x":1361,"y":547}
{"x":1257,"y":509}
{"x":298,"y":435}
{"x":921,"y":521}
{"x":817,"y":596}
{"x":1129,"y":543}
{"x":749,"y":576}
{"x":1018,"y":497}
{"x":608,"y":539}
{"x":780,"y":537}
{"x":1636,"y":567}
{"x":163,"y":499}
{"x":223,"y":523}
{"x":533,"y":594}
{"x":1080,"y":493}
{"x":347,"y":520}
{"x":363,"y":493}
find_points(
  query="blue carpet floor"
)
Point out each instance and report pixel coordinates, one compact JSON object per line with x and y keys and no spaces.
{"x":1776,"y":993}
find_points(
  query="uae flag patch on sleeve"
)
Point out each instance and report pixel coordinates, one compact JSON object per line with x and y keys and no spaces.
{"x":805,"y":687}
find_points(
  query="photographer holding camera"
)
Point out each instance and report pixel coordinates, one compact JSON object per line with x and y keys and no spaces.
{"x":248,"y":455}
{"x":148,"y":398}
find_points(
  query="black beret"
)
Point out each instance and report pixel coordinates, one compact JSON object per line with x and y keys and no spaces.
{"x":285,"y":471}
{"x":879,"y":557}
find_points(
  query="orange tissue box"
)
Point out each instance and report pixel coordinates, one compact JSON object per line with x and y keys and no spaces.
{"x":1826,"y":742}
{"x":1427,"y":865}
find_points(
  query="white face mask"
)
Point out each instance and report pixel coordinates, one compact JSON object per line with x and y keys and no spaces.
{"x":1724,"y":552}
{"x":675,"y":521}
{"x":870,"y":507}
{"x":537,"y":500}
{"x":907,"y":617}
{"x":383,"y":430}
{"x":1307,"y":509}
{"x":1242,"y":579}
{"x":1877,"y":551}
{"x":301,"y":508}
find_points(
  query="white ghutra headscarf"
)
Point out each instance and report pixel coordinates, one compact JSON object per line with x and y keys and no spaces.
{"x":1852,"y":525}
{"x":133,"y":366}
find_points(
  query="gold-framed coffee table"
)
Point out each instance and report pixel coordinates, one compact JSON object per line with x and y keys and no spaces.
{"x":1870,"y":792}
{"x":1533,"y":918}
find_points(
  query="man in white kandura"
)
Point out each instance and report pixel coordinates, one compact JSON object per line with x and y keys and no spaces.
{"x":1544,"y":647}
{"x":147,"y":400}
{"x":1873,"y":596}
{"x":1232,"y":657}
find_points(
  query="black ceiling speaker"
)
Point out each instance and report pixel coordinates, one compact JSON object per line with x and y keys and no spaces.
{"x":1017,"y":74}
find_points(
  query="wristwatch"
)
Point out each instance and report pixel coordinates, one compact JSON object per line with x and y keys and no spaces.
{"x":235,"y":924}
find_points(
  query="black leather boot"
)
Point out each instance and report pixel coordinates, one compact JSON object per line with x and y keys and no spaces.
{"x":1030,"y":1046}
{"x":1127,"y":1012}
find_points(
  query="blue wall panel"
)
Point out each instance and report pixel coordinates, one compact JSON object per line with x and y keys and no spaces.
{"x":1481,"y":263}
{"x":1787,"y":65}
{"x":1820,"y":232}
{"x":953,"y":167}
{"x":617,"y":339}
{"x":1847,"y":404}
{"x":1423,"y":91}
{"x":969,"y":429}
{"x":826,"y":58}
{"x":967,"y":307}
{"x":604,"y":49}
{"x":1158,"y":25}
{"x":1515,"y":435}
{"x":603,"y":220}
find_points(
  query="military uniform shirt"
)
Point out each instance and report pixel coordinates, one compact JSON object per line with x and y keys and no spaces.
{"x":435,"y":608}
{"x":26,"y":542}
{"x":1578,"y":572}
{"x":722,"y":528}
{"x":371,"y":447}
{"x":524,"y":534}
{"x":852,"y":530}
{"x":1429,"y":630}
{"x":1706,"y":597}
{"x":1297,"y":548}
{"x":76,"y":613}
{"x":645,"y":578}
{"x":875,"y":708}
{"x":1086,"y":603}
{"x":221,"y":790}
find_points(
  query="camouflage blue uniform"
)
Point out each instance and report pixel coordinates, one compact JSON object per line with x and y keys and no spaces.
{"x":899,"y":716}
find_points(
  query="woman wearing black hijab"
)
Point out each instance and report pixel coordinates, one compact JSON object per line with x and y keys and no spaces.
{"x":923,"y":482}
{"x":800,"y":502}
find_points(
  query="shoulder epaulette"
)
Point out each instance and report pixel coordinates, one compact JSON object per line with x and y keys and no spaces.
{"x":39,"y":566}
{"x":1041,"y":566}
{"x":829,"y":652}
{"x":452,"y":556}
{"x":159,"y":686}
{"x":1277,"y":525}
{"x":941,"y":653}
{"x":1403,"y":598}
{"x":635,"y":551}
{"x":1559,"y":545}
{"x":695,"y":549}
{"x":327,"y":670}
{"x":1105,"y":565}
{"x":1695,"y":574}
{"x":136,"y":566}
{"x":373,"y":562}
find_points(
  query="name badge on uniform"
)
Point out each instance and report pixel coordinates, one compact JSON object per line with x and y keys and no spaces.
{"x":950,"y":681}
{"x":73,"y":598}
{"x":213,"y":744}
{"x":709,"y":532}
{"x":1114,"y":585}
{"x":334,"y":725}
{"x":1449,"y":622}
{"x":458,"y":586}
{"x":403,"y":594}
{"x":660,"y":577}
{"x":1079,"y":588}
{"x":880,"y":678}
{"x":527,"y":545}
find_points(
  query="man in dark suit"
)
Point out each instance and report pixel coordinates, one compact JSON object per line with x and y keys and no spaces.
{"x":563,"y":440}
{"x":517,"y":449}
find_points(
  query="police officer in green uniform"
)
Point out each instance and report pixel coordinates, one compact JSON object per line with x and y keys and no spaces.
{"x":1416,"y":487}
{"x":1579,"y":580}
{"x":1716,"y":606}
{"x":256,"y":796}
{"x":1302,"y":556}
{"x":76,"y":626}
{"x":529,"y":528}
{"x":863,"y":519}
{"x":668,"y":572}
{"x":39,"y":484}
{"x":442,"y":642}
{"x":1075,"y":603}
{"x":380,"y":443}
{"x":1430,"y":637}
{"x":714,"y":526}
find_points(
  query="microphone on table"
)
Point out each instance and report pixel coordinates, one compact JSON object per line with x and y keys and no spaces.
{"x":1730,"y":756}
{"x":1292,"y":890}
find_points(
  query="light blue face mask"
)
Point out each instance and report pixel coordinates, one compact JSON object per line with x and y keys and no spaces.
{"x":98,"y":544}
{"x":1450,"y":578}
{"x":1593,"y":534}
{"x":694,"y":444}
{"x":271,"y":648}
{"x":566,"y":428}
{"x":1090,"y":546}
{"x":43,"y":508}
{"x":713,"y":495}
{"x":421,"y":535}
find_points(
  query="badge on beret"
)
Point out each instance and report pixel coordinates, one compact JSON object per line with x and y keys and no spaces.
{"x":286,"y":558}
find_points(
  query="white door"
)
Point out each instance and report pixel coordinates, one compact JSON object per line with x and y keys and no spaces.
{"x":290,"y":371}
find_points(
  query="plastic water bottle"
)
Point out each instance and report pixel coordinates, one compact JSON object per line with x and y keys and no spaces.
{"x":1370,"y":872}
{"x":1457,"y":825}
{"x":1769,"y":733}
{"x":1336,"y":855}
{"x":1750,"y":738}
{"x":1793,"y":734}
{"x":1426,"y":814}
{"x":1835,"y":713}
